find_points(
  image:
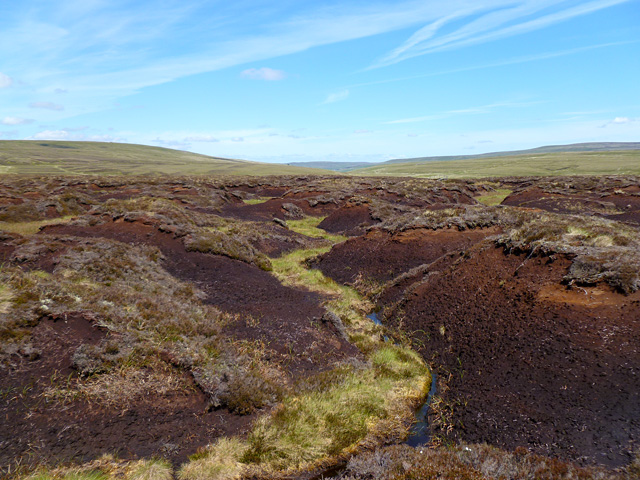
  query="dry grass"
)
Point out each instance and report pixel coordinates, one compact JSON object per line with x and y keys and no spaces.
{"x":466,"y":462}
{"x":30,"y":228}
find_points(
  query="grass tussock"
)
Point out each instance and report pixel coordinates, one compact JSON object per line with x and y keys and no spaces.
{"x":466,"y":462}
{"x":153,"y":469}
{"x":602,"y":250}
{"x":328,"y":417}
{"x":31,"y":227}
{"x":309,"y":226}
{"x":494,"y":197}
{"x":219,"y":243}
{"x":217,"y":462}
{"x":145,"y":313}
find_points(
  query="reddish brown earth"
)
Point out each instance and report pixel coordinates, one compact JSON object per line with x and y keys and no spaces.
{"x":527,"y":362}
{"x":349,"y":220}
{"x":622,"y":206}
{"x":284,"y":318}
{"x":522,"y":360}
{"x":381,"y":256}
{"x":273,"y":208}
{"x":173,"y":425}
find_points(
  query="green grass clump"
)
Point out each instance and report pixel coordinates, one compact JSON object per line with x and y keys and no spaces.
{"x":32,"y":227}
{"x":495,"y":197}
{"x":257,"y":201}
{"x":219,"y":461}
{"x":309,"y":226}
{"x":326,"y":418}
{"x":153,"y":469}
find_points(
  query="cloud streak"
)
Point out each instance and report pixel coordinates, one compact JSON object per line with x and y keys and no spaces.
{"x":336,"y":97}
{"x":491,"y":21}
{"x":264,"y":73}
{"x":16,"y":121}
{"x":47,"y":106}
{"x":5,"y":80}
{"x":465,"y":111}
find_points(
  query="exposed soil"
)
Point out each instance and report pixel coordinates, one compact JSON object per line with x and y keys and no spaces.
{"x":381,"y":256}
{"x":527,"y":362}
{"x":33,"y":429}
{"x":284,"y":318}
{"x":348,"y":220}
{"x":623,"y":206}
{"x":522,"y":359}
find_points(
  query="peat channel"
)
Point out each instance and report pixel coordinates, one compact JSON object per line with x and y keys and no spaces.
{"x":420,"y":433}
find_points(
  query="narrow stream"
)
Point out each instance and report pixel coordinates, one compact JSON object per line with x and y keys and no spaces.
{"x":420,"y":433}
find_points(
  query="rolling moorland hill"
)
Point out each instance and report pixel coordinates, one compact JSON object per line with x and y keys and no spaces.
{"x":100,"y":158}
{"x":623,"y":162}
{"x":577,"y":159}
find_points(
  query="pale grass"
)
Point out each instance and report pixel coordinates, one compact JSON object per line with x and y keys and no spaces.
{"x":494,"y":198}
{"x":154,"y":469}
{"x":313,"y":426}
{"x":257,"y":201}
{"x":119,"y":388}
{"x":309,"y":226}
{"x":30,"y":228}
{"x":6,"y":295}
{"x":221,"y":461}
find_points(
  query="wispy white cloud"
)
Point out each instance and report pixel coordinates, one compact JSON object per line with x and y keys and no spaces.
{"x":46,"y":106}
{"x":16,"y":121}
{"x":336,"y":97}
{"x":264,"y":73}
{"x":501,"y":63}
{"x":70,"y":135}
{"x":5,"y":80}
{"x":463,"y":111}
{"x":201,"y":138}
{"x":620,"y":121}
{"x":491,"y":20}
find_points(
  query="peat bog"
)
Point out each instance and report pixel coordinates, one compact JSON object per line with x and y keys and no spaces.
{"x":215,"y":327}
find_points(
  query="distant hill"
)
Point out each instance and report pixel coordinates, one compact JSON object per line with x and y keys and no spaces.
{"x":98,"y":158}
{"x":613,"y":162}
{"x":335,"y":166}
{"x":576,"y":147}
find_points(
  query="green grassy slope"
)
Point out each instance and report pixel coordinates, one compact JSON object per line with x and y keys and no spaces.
{"x":545,"y":164}
{"x":98,"y":158}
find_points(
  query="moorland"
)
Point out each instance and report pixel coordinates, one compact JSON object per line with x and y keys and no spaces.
{"x":211,"y":326}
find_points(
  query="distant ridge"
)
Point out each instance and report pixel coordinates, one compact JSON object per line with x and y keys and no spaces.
{"x":102,"y":158}
{"x":574,"y":147}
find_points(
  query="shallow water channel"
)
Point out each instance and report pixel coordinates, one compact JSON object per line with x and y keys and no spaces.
{"x":420,"y":433}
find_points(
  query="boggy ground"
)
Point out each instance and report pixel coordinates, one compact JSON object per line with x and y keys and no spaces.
{"x":529,"y":353}
{"x":161,"y":291}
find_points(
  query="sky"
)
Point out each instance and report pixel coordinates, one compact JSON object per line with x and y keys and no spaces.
{"x":297,"y":80}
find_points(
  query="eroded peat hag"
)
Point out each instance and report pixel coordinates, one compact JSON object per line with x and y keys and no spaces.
{"x":219,"y":325}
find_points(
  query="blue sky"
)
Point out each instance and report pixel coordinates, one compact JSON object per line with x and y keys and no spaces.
{"x":321,"y":80}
